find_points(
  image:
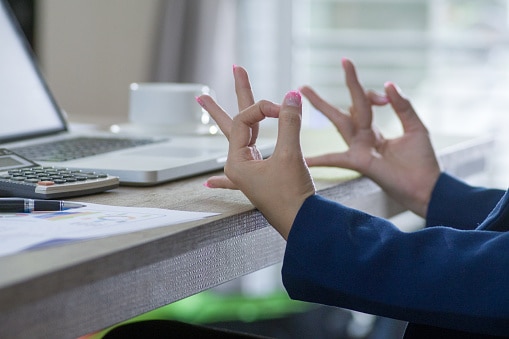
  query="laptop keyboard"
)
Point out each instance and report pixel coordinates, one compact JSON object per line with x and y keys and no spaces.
{"x":79,"y":147}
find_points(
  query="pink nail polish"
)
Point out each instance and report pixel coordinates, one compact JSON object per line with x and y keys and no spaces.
{"x":200,"y":101}
{"x":293,"y":98}
{"x":206,"y":184}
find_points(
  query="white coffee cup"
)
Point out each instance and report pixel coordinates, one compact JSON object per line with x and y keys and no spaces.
{"x":170,"y":107}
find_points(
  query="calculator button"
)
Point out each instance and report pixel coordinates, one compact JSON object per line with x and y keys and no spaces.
{"x":46,"y":183}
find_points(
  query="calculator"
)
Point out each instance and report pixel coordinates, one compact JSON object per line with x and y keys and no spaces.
{"x":21,"y":177}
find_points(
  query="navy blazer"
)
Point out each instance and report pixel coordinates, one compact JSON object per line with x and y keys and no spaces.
{"x":452,"y":274}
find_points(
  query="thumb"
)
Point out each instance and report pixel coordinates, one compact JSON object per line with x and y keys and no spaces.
{"x":290,"y":120}
{"x":220,"y":181}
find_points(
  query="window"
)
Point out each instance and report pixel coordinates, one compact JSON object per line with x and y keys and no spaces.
{"x":450,"y":57}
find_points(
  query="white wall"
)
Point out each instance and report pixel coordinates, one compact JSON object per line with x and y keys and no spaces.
{"x":91,"y":50}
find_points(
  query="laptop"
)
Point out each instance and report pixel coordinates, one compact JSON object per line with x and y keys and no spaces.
{"x":32,"y":125}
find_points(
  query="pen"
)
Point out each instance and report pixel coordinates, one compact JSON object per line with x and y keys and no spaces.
{"x":20,"y":205}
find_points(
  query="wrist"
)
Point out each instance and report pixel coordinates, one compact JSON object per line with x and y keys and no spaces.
{"x":281,"y":215}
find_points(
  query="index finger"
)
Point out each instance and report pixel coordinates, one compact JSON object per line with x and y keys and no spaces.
{"x":241,"y":134}
{"x":337,"y":116}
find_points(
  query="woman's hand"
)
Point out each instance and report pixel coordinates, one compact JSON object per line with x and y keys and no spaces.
{"x":405,"y":167}
{"x":278,"y":185}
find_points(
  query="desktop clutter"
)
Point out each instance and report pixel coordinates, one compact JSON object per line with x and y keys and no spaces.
{"x":29,"y":190}
{"x":169,"y":136}
{"x":169,"y":108}
{"x":22,"y":177}
{"x":43,"y":159}
{"x":160,"y":108}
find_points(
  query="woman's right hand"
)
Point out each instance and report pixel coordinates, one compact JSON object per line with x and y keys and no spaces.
{"x":406,"y":167}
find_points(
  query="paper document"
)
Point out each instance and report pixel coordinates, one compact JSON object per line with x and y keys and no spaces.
{"x":21,"y":231}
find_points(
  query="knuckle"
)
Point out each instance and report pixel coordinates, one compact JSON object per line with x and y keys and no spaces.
{"x":291,"y":119}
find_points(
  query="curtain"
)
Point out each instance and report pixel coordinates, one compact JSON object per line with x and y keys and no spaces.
{"x":196,"y":43}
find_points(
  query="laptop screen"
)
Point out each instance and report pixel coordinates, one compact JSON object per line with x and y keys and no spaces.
{"x":26,"y":107}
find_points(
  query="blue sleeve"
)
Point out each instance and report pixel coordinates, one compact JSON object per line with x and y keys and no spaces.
{"x":456,"y":204}
{"x":438,"y":276}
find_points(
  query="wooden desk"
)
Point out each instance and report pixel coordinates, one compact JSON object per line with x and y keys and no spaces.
{"x":71,"y":290}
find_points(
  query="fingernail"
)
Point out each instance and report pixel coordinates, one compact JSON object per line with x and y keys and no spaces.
{"x":389,"y":83}
{"x":293,"y":98}
{"x":234,"y":67}
{"x":206,"y":184}
{"x":200,"y":101}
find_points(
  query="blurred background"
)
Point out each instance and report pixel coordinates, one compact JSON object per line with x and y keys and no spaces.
{"x":448,"y":56}
{"x":451,"y":57}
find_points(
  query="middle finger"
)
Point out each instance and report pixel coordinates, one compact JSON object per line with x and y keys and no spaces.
{"x":245,"y":96}
{"x":242,"y":88}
